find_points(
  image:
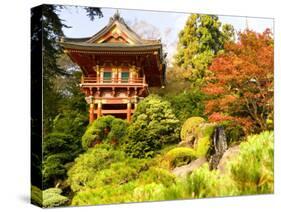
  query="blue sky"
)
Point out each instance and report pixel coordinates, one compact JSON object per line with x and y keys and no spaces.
{"x":167,"y":24}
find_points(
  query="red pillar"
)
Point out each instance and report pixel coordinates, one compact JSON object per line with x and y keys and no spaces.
{"x":99,"y":109}
{"x":129,"y":112}
{"x":92,"y":113}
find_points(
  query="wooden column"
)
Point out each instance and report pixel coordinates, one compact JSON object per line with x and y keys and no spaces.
{"x":99,"y":109}
{"x":92,"y":112}
{"x":129,"y":106}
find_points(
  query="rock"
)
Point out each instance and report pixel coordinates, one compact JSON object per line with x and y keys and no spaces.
{"x":187,"y":169}
{"x":229,"y":154}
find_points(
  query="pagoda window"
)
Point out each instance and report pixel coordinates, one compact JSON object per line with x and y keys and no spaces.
{"x":125,"y":76}
{"x":107,"y":75}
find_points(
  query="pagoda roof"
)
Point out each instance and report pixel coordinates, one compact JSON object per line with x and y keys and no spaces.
{"x":115,"y":35}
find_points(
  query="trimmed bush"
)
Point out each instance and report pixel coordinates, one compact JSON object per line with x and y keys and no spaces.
{"x":86,"y":166}
{"x":52,"y":198}
{"x":58,"y":150}
{"x":190,"y":126}
{"x":154,"y":125}
{"x":104,"y":129}
{"x":180,"y":156}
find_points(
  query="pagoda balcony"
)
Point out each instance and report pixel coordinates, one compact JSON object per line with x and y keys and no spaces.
{"x":113,"y":82}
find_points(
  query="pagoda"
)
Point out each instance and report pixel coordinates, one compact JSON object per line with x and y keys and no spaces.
{"x":118,"y":67}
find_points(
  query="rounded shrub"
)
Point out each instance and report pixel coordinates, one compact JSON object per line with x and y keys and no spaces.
{"x":104,"y":129}
{"x":190,"y":125}
{"x":180,"y":156}
{"x":153,"y":125}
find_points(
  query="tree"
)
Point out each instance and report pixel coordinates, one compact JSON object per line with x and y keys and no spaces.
{"x":241,"y":84}
{"x":58,"y":150}
{"x":199,"y":42}
{"x":154,"y":124}
{"x":51,"y":31}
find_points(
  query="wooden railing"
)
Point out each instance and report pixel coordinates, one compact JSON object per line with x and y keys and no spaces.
{"x":97,"y":80}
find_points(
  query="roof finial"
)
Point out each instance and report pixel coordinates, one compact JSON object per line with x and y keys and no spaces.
{"x":116,"y":15}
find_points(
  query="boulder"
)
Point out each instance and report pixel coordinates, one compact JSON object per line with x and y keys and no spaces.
{"x":229,"y":154}
{"x":187,"y":169}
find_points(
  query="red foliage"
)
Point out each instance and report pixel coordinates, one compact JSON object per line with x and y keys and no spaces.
{"x":241,"y":82}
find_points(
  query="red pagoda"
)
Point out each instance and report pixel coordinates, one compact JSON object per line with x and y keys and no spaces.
{"x":118,"y":66}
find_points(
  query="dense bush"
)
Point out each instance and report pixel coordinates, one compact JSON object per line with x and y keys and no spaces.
{"x":48,"y":198}
{"x":71,"y":122}
{"x":58,"y":150}
{"x":153,"y":125}
{"x":180,"y":156}
{"x":52,"y":198}
{"x":87,"y":165}
{"x":233,"y":131}
{"x":190,"y":126}
{"x":187,"y":104}
{"x":252,"y":170}
{"x":104,"y":129}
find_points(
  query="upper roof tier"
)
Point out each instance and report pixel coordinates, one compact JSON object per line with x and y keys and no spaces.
{"x":118,"y":42}
{"x":115,"y":33}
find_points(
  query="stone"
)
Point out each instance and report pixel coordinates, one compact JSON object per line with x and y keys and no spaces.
{"x":182,"y":171}
{"x":229,"y":154}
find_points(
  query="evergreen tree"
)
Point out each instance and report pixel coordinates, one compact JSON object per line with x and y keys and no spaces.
{"x":201,"y":39}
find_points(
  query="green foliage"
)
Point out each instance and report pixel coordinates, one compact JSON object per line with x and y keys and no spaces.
{"x":186,"y":104}
{"x":52,"y":198}
{"x":201,"y":39}
{"x":202,"y":183}
{"x":105,"y":195}
{"x":180,"y":156}
{"x":58,"y":149}
{"x":203,"y":146}
{"x":154,"y":124}
{"x":156,"y":175}
{"x":233,"y":132}
{"x":252,"y":170}
{"x":88,"y":165}
{"x":104,"y":129}
{"x":190,"y":126}
{"x":70,"y":122}
{"x":48,"y":198}
{"x":36,"y":196}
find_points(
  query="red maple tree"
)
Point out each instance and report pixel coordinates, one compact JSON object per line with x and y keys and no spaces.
{"x":241,"y":82}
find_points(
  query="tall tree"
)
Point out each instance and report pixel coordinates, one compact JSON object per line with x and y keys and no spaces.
{"x":52,"y":30}
{"x":202,"y":38}
{"x":242,"y":82}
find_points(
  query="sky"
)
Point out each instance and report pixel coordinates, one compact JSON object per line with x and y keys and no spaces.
{"x":167,"y":25}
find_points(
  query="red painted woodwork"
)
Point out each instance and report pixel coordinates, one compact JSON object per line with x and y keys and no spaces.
{"x":105,"y":57}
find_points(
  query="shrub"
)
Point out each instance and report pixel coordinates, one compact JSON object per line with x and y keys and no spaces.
{"x":104,"y":129}
{"x":88,"y":164}
{"x":36,"y":196}
{"x":119,"y":173}
{"x":190,"y":126}
{"x":156,"y":175}
{"x":180,"y":156}
{"x":149,"y":192}
{"x":58,"y":149}
{"x":187,"y":104}
{"x":70,"y":122}
{"x":52,"y":198}
{"x":233,"y":131}
{"x":252,"y":170}
{"x":202,"y":183}
{"x":203,"y":146}
{"x":153,"y":125}
{"x":105,"y":195}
